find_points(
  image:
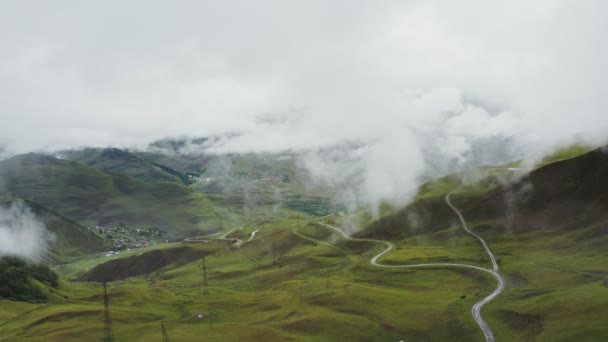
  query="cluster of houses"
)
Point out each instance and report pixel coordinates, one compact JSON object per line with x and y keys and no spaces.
{"x":128,"y":238}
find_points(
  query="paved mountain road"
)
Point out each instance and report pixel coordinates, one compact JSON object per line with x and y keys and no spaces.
{"x":476,"y":309}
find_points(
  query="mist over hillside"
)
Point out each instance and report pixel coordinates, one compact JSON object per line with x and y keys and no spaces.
{"x":313,"y":79}
{"x":22,"y":233}
{"x":303,"y":171}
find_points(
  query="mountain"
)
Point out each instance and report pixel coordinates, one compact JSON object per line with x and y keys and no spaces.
{"x":185,"y":164}
{"x":120,"y":161}
{"x":192,"y":156}
{"x":92,"y":196}
{"x":187,"y":155}
{"x":70,"y":239}
{"x":548,"y":230}
{"x":565,"y":192}
{"x":282,"y":277}
{"x":181,"y":162}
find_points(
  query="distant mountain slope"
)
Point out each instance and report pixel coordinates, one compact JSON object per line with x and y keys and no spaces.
{"x":570,"y":193}
{"x":234,"y":173}
{"x":70,"y":238}
{"x":184,"y":164}
{"x":548,"y":230}
{"x":90,"y":195}
{"x":187,"y":156}
{"x":193,"y":156}
{"x":121,"y":161}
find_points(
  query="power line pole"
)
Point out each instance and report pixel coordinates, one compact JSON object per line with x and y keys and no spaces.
{"x":109,"y":335}
{"x":274,"y":253}
{"x":165,"y":335}
{"x":205,"y":284}
{"x":213,"y":316}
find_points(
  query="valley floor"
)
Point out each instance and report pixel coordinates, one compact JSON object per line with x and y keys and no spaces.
{"x":303,"y":282}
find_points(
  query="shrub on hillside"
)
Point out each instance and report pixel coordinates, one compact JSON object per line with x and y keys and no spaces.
{"x":16,"y":279}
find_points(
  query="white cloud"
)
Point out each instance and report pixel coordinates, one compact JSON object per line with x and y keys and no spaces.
{"x":22,"y":233}
{"x":416,"y":80}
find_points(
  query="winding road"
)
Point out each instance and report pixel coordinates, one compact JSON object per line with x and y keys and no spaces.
{"x":253,"y":235}
{"x":476,"y":309}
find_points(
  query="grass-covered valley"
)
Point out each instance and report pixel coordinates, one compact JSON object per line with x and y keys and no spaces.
{"x":276,"y":272}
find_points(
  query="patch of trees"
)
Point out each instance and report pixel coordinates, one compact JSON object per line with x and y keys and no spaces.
{"x":17,"y":279}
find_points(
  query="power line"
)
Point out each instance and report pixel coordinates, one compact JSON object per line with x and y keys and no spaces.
{"x":165,"y":335}
{"x":205,"y":284}
{"x":109,"y":335}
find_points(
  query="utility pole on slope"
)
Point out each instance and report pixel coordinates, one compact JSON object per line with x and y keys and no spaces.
{"x":109,"y":335}
{"x":165,"y":335}
{"x":205,"y":284}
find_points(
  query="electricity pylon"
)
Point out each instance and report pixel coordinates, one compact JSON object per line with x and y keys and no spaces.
{"x":165,"y":335}
{"x":205,"y":284}
{"x":109,"y":335}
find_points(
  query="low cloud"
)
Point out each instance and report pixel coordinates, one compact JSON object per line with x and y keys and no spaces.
{"x":22,"y":233}
{"x":372,"y":159}
{"x":410,"y":88}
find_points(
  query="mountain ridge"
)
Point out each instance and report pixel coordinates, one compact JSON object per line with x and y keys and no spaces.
{"x":93,"y":196}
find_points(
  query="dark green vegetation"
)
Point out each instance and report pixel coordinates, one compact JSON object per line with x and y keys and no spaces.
{"x":297,"y":280}
{"x":24,"y":281}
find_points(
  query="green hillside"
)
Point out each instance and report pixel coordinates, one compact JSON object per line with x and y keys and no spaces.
{"x":565,"y":153}
{"x":120,"y":161}
{"x":71,"y":240}
{"x":92,"y":196}
{"x":298,"y":280}
{"x":233,"y":171}
{"x":548,"y":231}
{"x":174,"y":153}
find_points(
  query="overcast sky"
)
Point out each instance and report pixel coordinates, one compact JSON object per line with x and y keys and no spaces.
{"x":404,"y":77}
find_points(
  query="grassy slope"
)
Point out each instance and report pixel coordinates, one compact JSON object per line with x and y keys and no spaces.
{"x":486,"y":178}
{"x":552,"y":240}
{"x":329,"y":291}
{"x":324,"y":289}
{"x":548,"y":231}
{"x":557,"y":286}
{"x":315,"y":292}
{"x":71,"y":240}
{"x":565,"y":153}
{"x":90,"y":195}
{"x":120,"y":161}
{"x":185,"y":164}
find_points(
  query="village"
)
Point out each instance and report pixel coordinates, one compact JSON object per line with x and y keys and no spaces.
{"x":123,"y":237}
